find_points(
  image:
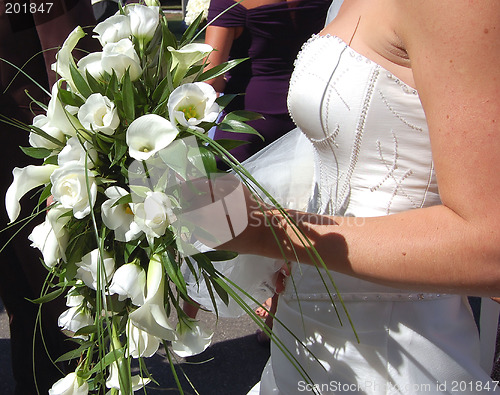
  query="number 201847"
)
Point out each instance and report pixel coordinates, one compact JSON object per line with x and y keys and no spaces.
{"x":25,"y":8}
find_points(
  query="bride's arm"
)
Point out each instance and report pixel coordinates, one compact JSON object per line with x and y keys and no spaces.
{"x":455,"y":247}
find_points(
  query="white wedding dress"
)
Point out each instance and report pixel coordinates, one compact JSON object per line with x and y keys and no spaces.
{"x":361,"y":150}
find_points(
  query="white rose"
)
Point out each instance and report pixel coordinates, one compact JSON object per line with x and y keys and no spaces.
{"x":75,"y":152}
{"x":99,"y":114}
{"x":143,"y":21}
{"x":91,"y":266}
{"x":119,"y":57}
{"x":73,"y":298}
{"x":155,"y":214}
{"x":140,"y":343}
{"x":129,"y":281}
{"x":69,"y":187}
{"x":42,"y":122}
{"x":70,"y":385}
{"x":192,"y":339}
{"x":148,"y":134}
{"x":51,"y":237}
{"x":113,"y":29}
{"x":193,"y":103}
{"x":119,"y":217}
{"x":74,"y":319}
{"x":91,"y":63}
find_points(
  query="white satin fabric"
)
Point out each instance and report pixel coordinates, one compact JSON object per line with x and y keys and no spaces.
{"x":362,"y":150}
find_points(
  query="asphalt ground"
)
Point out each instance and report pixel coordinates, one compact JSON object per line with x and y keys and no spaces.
{"x":231,"y":365}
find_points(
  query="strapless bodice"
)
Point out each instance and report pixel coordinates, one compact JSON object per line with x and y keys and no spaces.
{"x":368,"y":129}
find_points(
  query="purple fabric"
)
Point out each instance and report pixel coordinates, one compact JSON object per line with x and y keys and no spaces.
{"x":276,"y":33}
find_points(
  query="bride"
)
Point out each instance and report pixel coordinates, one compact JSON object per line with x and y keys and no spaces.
{"x":396,"y":165}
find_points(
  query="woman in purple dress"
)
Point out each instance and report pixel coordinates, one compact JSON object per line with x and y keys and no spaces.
{"x":270,"y":33}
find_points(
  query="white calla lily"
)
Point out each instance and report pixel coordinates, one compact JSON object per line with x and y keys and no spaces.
{"x":75,"y":152}
{"x":69,"y":187}
{"x":25,"y":179}
{"x":148,"y":134}
{"x":192,"y":339}
{"x":64,"y":58}
{"x":129,"y":281}
{"x":119,"y":217}
{"x":143,"y":21}
{"x":60,"y":116}
{"x":74,"y":319}
{"x":120,"y":57}
{"x":71,"y":384}
{"x":140,"y":343}
{"x":187,"y":56}
{"x":51,"y":236}
{"x":42,"y":122}
{"x":99,"y":114}
{"x":151,"y":316}
{"x":113,"y":29}
{"x":94,"y":266}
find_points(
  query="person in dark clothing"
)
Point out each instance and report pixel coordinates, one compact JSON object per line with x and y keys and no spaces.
{"x":31,"y":32}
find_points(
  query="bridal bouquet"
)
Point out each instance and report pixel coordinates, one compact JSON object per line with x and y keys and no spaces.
{"x":194,"y":8}
{"x":123,"y":136}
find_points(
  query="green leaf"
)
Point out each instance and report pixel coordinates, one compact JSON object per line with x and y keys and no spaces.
{"x":80,"y":82}
{"x":221,"y":255}
{"x":226,"y":98}
{"x":169,"y":39}
{"x":220,"y":291}
{"x":94,"y":84}
{"x":45,"y":135}
{"x":243,"y":116}
{"x":112,"y":87}
{"x":36,"y":152}
{"x":110,"y":357}
{"x":124,"y":200}
{"x":191,"y":30}
{"x":86,"y":330}
{"x":48,"y":297}
{"x":128,"y":97}
{"x":140,"y":190}
{"x":162,"y":91}
{"x":229,"y":144}
{"x":51,"y":160}
{"x":176,"y":157}
{"x":174,"y":272}
{"x":70,"y":98}
{"x":73,"y":354}
{"x":120,"y":148}
{"x":45,"y":193}
{"x":238,"y":127}
{"x":220,"y":69}
{"x":208,"y":158}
